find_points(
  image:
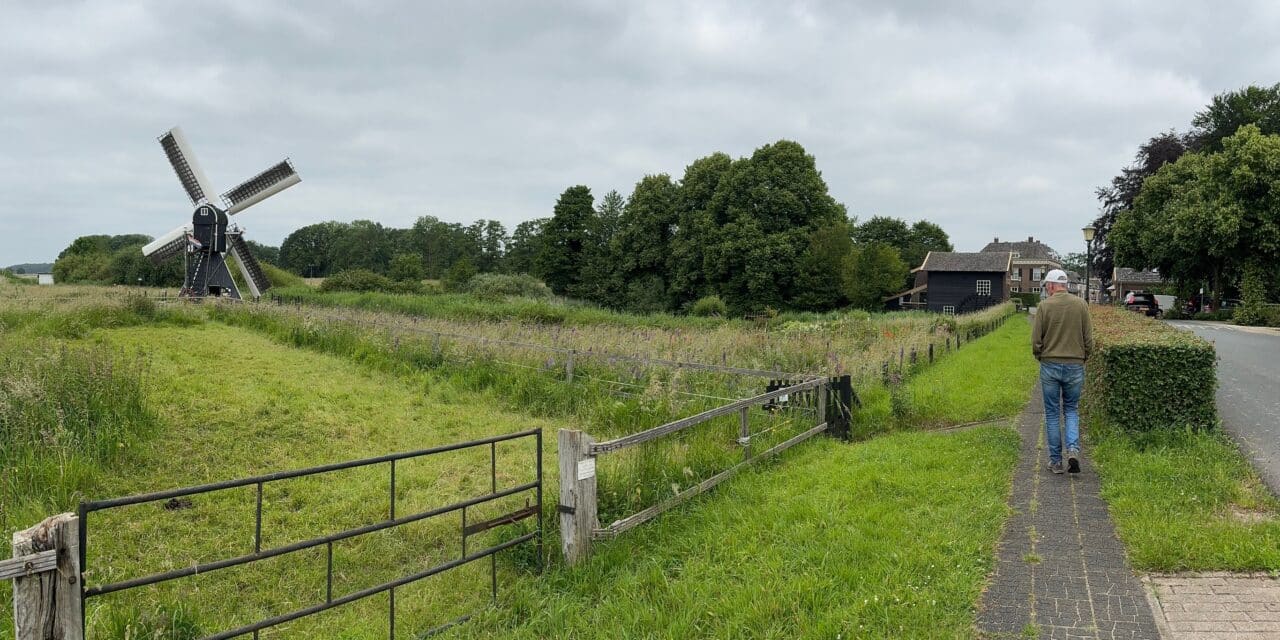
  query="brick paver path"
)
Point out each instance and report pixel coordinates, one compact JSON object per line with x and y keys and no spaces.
{"x":1061,"y":571}
{"x":1217,"y":606}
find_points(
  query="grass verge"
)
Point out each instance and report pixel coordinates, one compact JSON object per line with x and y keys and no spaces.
{"x":1186,"y":500}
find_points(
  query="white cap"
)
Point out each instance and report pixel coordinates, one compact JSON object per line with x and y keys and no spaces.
{"x":1057,"y":275}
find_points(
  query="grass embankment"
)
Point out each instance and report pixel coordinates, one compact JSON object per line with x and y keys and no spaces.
{"x":985,"y":380}
{"x":1181,"y":494}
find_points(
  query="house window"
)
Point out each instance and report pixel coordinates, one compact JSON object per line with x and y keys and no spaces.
{"x":1015,"y":290}
{"x":1037,"y":274}
{"x":949,"y":310}
{"x":1017,"y":275}
{"x":984,"y":287}
{"x":1035,"y":289}
{"x":1017,"y":254}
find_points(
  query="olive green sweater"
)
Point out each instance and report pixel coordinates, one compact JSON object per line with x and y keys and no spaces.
{"x":1063,"y":332}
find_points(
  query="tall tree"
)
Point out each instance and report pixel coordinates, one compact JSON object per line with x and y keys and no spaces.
{"x":697,"y":227}
{"x":526,"y":244}
{"x":564,"y":237}
{"x":308,"y":251}
{"x":363,"y":244}
{"x":885,"y":230}
{"x":925,"y":237}
{"x":642,"y":244}
{"x":600,"y":280}
{"x":823,"y":282}
{"x":771,"y":203}
{"x":1231,"y":110}
{"x":876,"y":271}
{"x":1160,"y":150}
{"x":1208,"y":215}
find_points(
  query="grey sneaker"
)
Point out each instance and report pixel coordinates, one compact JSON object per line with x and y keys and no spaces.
{"x":1055,"y":467}
{"x":1073,"y":461}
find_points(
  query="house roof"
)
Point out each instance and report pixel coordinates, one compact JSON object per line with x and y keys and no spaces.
{"x":1031,"y":249}
{"x":1125,"y":274}
{"x":983,"y":261}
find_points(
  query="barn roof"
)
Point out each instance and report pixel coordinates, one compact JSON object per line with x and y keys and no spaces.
{"x":1124,"y":274}
{"x":983,"y":261}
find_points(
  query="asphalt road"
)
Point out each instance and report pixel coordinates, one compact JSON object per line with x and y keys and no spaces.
{"x":1248,"y":390}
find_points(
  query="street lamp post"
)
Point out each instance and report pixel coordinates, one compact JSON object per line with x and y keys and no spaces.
{"x":1088,"y":258}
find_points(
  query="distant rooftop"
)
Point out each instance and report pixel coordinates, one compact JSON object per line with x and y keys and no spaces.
{"x":987,"y":261}
{"x":1124,"y":274}
{"x":1031,"y":249}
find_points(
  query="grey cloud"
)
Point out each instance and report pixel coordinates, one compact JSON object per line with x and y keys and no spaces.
{"x":989,"y":118}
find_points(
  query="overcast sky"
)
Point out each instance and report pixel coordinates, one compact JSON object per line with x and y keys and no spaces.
{"x":998,"y":119}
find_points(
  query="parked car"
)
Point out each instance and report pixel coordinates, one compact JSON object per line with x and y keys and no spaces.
{"x":1144,"y":303}
{"x":1204,"y":302}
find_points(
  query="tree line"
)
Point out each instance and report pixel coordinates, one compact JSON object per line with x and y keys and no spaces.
{"x":759,"y":232}
{"x":1202,"y":206}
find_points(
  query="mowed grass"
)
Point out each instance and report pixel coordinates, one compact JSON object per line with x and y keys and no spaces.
{"x":1187,"y":501}
{"x":237,"y":404}
{"x":987,"y":379}
{"x":890,"y":538}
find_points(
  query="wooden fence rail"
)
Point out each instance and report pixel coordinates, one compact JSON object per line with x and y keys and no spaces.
{"x":578,"y":508}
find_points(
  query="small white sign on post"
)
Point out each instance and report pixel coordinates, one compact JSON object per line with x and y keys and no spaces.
{"x":586,"y":468}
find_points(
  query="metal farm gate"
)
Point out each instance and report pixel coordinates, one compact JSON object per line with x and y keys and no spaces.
{"x":393,"y":519}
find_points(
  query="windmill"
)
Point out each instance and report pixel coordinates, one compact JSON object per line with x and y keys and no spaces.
{"x":208,"y":238}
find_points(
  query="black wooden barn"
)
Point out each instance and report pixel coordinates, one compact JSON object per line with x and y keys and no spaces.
{"x":954,"y":283}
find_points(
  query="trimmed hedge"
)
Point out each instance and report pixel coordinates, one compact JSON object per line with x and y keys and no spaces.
{"x":1146,"y":375}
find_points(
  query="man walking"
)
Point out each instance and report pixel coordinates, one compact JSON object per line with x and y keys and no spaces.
{"x":1062,"y":339}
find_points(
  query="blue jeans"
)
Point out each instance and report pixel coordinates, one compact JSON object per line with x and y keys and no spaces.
{"x":1062,"y":384}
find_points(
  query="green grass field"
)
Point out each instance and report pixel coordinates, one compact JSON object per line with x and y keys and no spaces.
{"x":886,"y":539}
{"x":905,"y":522}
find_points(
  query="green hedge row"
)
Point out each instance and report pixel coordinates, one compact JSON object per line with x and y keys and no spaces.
{"x":1147,"y":375}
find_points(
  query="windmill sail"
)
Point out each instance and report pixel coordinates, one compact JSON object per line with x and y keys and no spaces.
{"x":260,"y":187}
{"x":167,"y":245}
{"x":254,"y":276}
{"x":184,"y":164}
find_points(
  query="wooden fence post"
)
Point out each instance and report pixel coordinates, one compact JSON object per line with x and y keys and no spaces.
{"x":930,"y":353}
{"x":568,"y":366}
{"x":577,"y":495}
{"x":46,"y":604}
{"x":744,"y":433}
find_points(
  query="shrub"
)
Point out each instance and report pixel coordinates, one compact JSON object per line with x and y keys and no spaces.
{"x":1220,"y":315}
{"x":1026,"y":298}
{"x":456,"y":278}
{"x":406,"y":267}
{"x":355,"y":280}
{"x":709,"y":306}
{"x":500,"y":285}
{"x":1147,"y":375}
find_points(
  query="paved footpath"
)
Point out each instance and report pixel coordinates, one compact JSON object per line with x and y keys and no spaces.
{"x":1060,"y":572}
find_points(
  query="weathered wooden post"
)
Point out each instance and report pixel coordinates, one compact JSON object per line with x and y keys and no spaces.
{"x":568,"y":366}
{"x":913,"y":355}
{"x":930,"y":353}
{"x":577,"y":495}
{"x":744,"y":433}
{"x":46,"y":580}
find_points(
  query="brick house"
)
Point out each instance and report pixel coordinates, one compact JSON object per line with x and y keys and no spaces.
{"x":1032,"y":259}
